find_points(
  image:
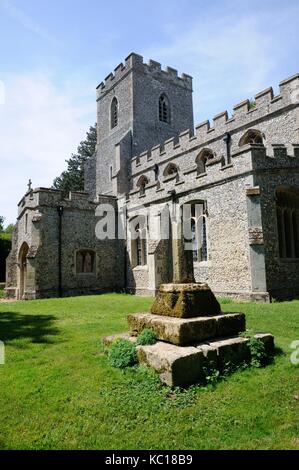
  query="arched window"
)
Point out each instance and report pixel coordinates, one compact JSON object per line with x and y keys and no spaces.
{"x":198,"y":223}
{"x":141,"y":184}
{"x":202,"y":158}
{"x":85,"y":261}
{"x":164,"y":109}
{"x":252,"y":136}
{"x":287,"y":209}
{"x":114,"y":113}
{"x":171,"y":170}
{"x":139,"y":241}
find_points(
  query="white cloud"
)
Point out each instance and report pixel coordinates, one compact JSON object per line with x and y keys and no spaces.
{"x":39,"y":128}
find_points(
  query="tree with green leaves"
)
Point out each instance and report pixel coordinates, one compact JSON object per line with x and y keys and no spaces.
{"x":72,"y":179}
{"x":1,"y":223}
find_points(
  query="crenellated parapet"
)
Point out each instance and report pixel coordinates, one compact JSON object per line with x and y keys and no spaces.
{"x":135,"y":62}
{"x":45,"y":197}
{"x":264,"y":114}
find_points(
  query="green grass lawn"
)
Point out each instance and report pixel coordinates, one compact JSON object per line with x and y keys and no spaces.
{"x":58,"y":392}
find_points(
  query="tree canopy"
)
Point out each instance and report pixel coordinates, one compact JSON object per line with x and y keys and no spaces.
{"x":72,"y":179}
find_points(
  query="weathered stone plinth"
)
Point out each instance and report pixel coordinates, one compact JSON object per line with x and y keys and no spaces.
{"x":185,"y":301}
{"x":183,"y":331}
{"x":193,"y":335}
{"x":181,"y":366}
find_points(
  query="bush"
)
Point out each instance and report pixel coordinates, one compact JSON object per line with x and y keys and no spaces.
{"x":122,"y":353}
{"x":257,"y":351}
{"x":5,"y":246}
{"x":147,"y":336}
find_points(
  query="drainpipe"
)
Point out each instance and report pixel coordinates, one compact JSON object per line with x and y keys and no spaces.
{"x":227,"y":139}
{"x":60,"y":213}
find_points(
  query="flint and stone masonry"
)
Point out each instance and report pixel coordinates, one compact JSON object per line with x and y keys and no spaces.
{"x":240,"y":173}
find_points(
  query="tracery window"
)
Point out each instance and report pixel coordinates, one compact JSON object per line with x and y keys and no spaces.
{"x":114,"y":113}
{"x":85,"y":261}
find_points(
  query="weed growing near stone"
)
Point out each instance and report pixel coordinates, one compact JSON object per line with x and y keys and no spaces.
{"x":257,"y":349}
{"x":147,"y":337}
{"x":122,"y":353}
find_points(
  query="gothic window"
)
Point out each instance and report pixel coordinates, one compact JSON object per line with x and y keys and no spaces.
{"x":114,"y":113}
{"x":139,"y":242}
{"x":85,"y":262}
{"x":252,"y":136}
{"x":201,"y":160}
{"x":199,"y":232}
{"x":171,"y":170}
{"x":287,"y":209}
{"x":141,"y":184}
{"x":164,"y":109}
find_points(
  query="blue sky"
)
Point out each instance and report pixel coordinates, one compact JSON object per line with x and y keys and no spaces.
{"x":54,"y":53}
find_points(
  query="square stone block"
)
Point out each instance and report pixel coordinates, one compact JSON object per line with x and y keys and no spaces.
{"x":177,"y":366}
{"x":181,"y":331}
{"x":231,"y":351}
{"x":185,"y":301}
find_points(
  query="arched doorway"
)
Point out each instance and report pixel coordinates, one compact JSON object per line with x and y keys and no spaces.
{"x":23,"y":270}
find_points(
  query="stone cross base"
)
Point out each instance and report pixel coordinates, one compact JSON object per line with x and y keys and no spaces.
{"x":185,"y":301}
{"x":193,"y":334}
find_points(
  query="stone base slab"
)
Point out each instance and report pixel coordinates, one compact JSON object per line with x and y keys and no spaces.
{"x":185,"y":301}
{"x":182,"y":366}
{"x":181,"y":331}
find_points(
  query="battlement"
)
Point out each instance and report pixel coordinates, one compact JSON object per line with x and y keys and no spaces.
{"x":53,"y":198}
{"x":135,"y":61}
{"x":245,"y":114}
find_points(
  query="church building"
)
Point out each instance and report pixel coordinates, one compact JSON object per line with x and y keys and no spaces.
{"x":238,"y":177}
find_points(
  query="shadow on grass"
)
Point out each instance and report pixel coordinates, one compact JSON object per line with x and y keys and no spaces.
{"x":38,"y":328}
{"x":278,"y":351}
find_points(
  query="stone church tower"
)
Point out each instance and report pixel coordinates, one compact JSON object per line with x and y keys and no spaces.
{"x":128,"y":121}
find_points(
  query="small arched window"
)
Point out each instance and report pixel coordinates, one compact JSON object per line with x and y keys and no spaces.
{"x":85,"y":261}
{"x":171,"y":170}
{"x":141,"y":184}
{"x":252,"y":136}
{"x":114,"y":113}
{"x":164,"y":109}
{"x":202,"y":158}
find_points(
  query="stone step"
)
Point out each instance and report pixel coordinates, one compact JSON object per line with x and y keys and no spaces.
{"x":181,"y":366}
{"x":182,"y":331}
{"x":108,"y":340}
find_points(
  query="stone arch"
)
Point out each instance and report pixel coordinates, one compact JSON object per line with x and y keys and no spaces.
{"x":141,"y":184}
{"x":202,"y":159}
{"x":22,"y":263}
{"x":138,"y":231}
{"x":114,"y":113}
{"x":171,"y":170}
{"x":85,"y":261}
{"x":252,"y":136}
